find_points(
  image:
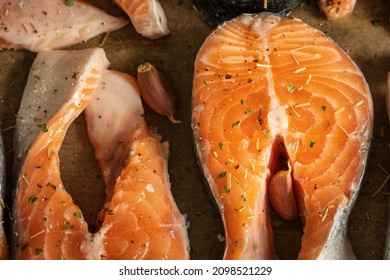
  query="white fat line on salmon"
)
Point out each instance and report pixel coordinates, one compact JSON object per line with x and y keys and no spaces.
{"x":299,"y":48}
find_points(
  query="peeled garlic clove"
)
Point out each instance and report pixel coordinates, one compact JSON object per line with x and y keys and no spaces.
{"x":155,"y":91}
{"x":281,"y":195}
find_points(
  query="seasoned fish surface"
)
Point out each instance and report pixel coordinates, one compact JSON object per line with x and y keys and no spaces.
{"x":39,"y":25}
{"x":140,"y":219}
{"x":47,"y":224}
{"x":272,"y":94}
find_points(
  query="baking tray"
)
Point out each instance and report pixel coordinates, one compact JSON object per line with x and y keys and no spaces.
{"x":365,"y":35}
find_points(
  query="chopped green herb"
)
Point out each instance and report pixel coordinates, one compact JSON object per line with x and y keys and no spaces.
{"x":205,"y":82}
{"x":69,"y":3}
{"x":375,"y":22}
{"x":116,"y":37}
{"x":242,"y":101}
{"x":266,"y":133}
{"x":68,"y":226}
{"x":51,"y":186}
{"x":32,"y":199}
{"x":77,"y":214}
{"x":225,"y":190}
{"x":38,"y":251}
{"x":220,"y":145}
{"x":108,"y":211}
{"x":221,"y":175}
{"x":323,"y":107}
{"x":249,"y":111}
{"x":43,"y":127}
{"x":62,"y":202}
{"x":243,"y":197}
{"x":290,"y":88}
{"x":311,"y":144}
{"x":236,"y":123}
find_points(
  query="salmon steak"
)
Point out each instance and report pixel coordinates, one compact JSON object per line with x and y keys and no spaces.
{"x":140,"y":219}
{"x":38,"y":25}
{"x":282,"y":120}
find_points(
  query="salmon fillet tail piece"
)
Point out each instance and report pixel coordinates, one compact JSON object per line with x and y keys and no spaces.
{"x":47,"y":223}
{"x":271,"y":94}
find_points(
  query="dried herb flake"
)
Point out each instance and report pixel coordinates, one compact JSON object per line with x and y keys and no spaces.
{"x":43,"y":127}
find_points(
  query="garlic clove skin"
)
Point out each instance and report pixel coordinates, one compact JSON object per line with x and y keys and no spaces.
{"x":155,"y":91}
{"x":281,"y":194}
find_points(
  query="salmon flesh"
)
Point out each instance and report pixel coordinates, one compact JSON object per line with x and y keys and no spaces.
{"x":147,"y":16}
{"x":272,"y":93}
{"x":140,"y":220}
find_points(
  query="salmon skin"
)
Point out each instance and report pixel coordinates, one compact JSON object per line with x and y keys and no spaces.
{"x":38,"y":25}
{"x":215,"y":12}
{"x":272,"y":93}
{"x":4,"y":252}
{"x":47,"y":223}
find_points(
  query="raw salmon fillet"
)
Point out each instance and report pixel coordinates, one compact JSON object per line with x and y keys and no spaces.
{"x":38,"y":25}
{"x":48,"y":224}
{"x":140,"y":219}
{"x":273,"y":93}
{"x":147,"y":17}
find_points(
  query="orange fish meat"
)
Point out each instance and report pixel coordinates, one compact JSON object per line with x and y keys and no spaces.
{"x":140,"y":219}
{"x":336,"y":9}
{"x":271,"y":94}
{"x":147,"y":16}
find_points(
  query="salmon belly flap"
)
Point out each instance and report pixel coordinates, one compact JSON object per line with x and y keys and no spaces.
{"x":48,"y":224}
{"x":274,"y":94}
